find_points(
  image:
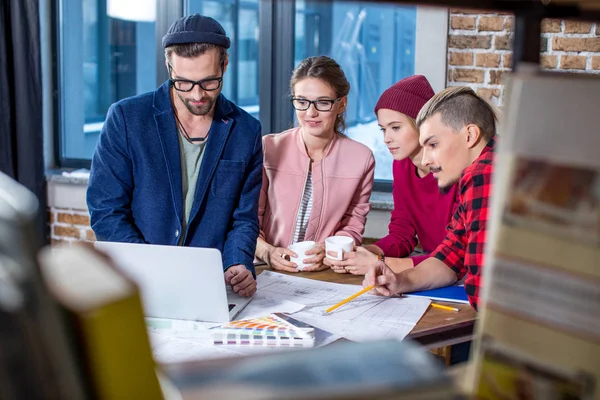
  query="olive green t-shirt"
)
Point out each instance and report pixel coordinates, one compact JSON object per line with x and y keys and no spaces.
{"x":191,"y":158}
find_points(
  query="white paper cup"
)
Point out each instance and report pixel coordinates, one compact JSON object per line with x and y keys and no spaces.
{"x":339,"y":244}
{"x":300,"y":249}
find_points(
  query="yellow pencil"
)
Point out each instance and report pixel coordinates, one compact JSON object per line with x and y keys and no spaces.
{"x":441,"y":307}
{"x":341,"y":303}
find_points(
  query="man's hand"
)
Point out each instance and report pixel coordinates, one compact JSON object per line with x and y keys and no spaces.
{"x":356,"y":262}
{"x":318,"y":254}
{"x":241,"y":280}
{"x":386,"y":282}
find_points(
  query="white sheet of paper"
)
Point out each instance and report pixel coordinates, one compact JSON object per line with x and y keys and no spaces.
{"x":366,"y":318}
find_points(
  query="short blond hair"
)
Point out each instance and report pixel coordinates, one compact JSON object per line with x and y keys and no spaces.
{"x":460,"y":106}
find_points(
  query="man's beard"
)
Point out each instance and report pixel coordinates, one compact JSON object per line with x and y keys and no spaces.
{"x":199,"y":110}
{"x":446,"y":188}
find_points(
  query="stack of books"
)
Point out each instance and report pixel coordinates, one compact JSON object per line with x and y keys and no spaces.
{"x":275,"y":330}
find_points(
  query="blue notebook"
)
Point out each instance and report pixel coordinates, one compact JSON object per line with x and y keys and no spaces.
{"x":453,"y":294}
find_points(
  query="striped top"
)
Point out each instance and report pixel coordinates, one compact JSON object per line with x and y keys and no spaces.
{"x":304,"y":210}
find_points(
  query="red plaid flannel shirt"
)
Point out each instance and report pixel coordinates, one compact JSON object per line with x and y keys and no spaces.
{"x":462,"y":249}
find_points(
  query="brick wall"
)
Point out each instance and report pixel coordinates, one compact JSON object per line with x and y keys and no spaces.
{"x":68,"y":225}
{"x":479,"y":49}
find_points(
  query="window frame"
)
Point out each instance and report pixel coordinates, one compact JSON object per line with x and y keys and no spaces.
{"x":276,"y":54}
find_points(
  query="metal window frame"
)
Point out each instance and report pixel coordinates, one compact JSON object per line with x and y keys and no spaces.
{"x":167,"y":11}
{"x":57,"y":82}
{"x":276,"y":54}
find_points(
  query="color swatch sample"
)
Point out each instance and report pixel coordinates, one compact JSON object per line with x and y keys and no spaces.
{"x":274,"y":330}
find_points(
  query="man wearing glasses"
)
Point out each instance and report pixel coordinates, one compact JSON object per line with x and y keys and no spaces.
{"x":182,"y":165}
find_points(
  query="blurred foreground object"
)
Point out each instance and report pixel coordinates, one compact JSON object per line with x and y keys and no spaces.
{"x":105,"y":311}
{"x":540,"y":326}
{"x":36,"y":357}
{"x":374,"y":370}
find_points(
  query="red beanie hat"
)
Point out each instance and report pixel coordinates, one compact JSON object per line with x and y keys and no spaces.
{"x":407,"y":96}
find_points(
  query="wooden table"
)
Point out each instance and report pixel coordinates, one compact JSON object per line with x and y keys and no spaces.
{"x":437,"y":329}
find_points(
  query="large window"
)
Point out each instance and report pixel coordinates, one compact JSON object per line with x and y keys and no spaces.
{"x":375,"y":46}
{"x":240,"y":20}
{"x":105,"y":48}
{"x":110,"y":49}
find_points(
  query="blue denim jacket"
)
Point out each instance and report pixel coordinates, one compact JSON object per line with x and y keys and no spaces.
{"x":135,"y":193}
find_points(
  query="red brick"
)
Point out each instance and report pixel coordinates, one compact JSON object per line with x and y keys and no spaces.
{"x":576,"y":44}
{"x":469,"y":42}
{"x":74,"y":219}
{"x":50,"y":217}
{"x":509,"y":24}
{"x":89,"y":235}
{"x":573,"y":62}
{"x":461,"y":58}
{"x":577,"y":27}
{"x":490,"y":60}
{"x":491,"y":24}
{"x":507,"y":60}
{"x":467,"y":23}
{"x":468,"y":75}
{"x":596,"y":62}
{"x":488,"y":94}
{"x":503,"y":42}
{"x":496,"y":77}
{"x":551,"y":25}
{"x":66,"y":231}
{"x":548,"y":62}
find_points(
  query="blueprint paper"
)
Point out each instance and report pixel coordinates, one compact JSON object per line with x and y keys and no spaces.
{"x":261,"y":306}
{"x":366,"y":318}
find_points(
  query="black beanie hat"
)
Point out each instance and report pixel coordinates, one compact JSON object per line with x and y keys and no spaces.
{"x":196,"y":28}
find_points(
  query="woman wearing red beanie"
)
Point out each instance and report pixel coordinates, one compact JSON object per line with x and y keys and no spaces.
{"x":421,"y":212}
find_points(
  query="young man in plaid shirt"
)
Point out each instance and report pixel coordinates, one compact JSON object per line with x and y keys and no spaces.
{"x":457,"y":132}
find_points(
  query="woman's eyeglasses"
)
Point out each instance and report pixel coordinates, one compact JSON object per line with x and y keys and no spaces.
{"x":320,"y":105}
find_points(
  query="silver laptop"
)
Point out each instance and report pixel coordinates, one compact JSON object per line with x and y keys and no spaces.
{"x":178,"y":282}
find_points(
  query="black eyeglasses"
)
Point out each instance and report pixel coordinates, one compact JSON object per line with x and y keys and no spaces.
{"x":186,"y":85}
{"x":320,"y":105}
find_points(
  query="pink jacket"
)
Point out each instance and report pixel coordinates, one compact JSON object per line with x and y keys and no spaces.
{"x":342,"y":183}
